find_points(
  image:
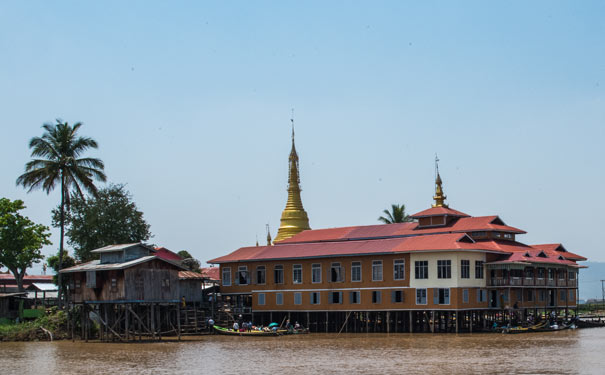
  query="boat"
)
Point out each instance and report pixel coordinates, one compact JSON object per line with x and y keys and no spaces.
{"x":581,"y":323}
{"x":227,"y":331}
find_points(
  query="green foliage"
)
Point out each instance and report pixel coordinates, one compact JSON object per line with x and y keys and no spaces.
{"x":396,"y":215}
{"x":55,"y":321}
{"x":20,"y":239}
{"x":53,"y":262}
{"x":189,"y":261}
{"x":110,"y":217}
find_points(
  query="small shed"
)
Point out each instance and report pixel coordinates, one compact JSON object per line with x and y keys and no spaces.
{"x":190,"y":284}
{"x":10,"y":304}
{"x":45,"y":294}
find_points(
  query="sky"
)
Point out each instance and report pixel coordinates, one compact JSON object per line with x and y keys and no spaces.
{"x":191,"y":102}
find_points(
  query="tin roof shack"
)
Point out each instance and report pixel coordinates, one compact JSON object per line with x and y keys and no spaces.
{"x":190,"y":285}
{"x":128,"y":272}
{"x":10,"y":304}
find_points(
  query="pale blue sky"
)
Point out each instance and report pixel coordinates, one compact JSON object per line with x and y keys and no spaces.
{"x":190,"y":103}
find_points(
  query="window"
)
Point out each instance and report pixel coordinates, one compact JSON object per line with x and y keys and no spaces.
{"x":551,"y":274}
{"x":166,"y":283}
{"x":336,"y":273}
{"x":529,"y":273}
{"x":376,"y":296}
{"x":260,"y":275}
{"x":441,"y":296}
{"x":242,"y":275}
{"x":465,"y":269}
{"x":356,"y":271}
{"x":316,"y":273}
{"x":507,"y":236}
{"x":478,"y":234}
{"x":421,"y":268}
{"x":541,"y":273}
{"x":481,"y":295}
{"x":355,"y":297}
{"x":421,"y":296}
{"x":397,"y":296}
{"x":444,"y":269}
{"x":91,"y":279}
{"x":261,"y":299}
{"x":572,"y":275}
{"x":563,"y":295}
{"x":297,"y":274}
{"x":226,"y":276}
{"x":478,"y":269}
{"x":505,"y":295}
{"x":315,"y":298}
{"x":114,"y":285}
{"x":298,"y":298}
{"x":464,"y":295}
{"x":542,"y":295}
{"x":572,"y":294}
{"x":496,"y":234}
{"x":278,"y":274}
{"x":279,"y":298}
{"x":561,"y":274}
{"x":335,"y":297}
{"x":78,"y":283}
{"x":398,"y":269}
{"x":519,"y":295}
{"x":530,"y":295}
{"x":377,"y":270}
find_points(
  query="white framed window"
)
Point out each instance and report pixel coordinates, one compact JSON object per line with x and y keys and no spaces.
{"x":355,"y":271}
{"x":444,"y":269}
{"x":242,"y":275}
{"x":572,"y":275}
{"x":464,"y":295}
{"x":297,"y":274}
{"x":279,"y":298}
{"x":355,"y":297}
{"x":478,"y":269}
{"x":377,"y":270}
{"x":572,"y":295}
{"x":399,"y":269}
{"x":226,"y":276}
{"x":481,"y":295}
{"x":261,"y":275}
{"x":298,"y":298}
{"x":421,"y":268}
{"x":421,"y":296}
{"x":376,"y":296}
{"x":315,"y":298}
{"x":278,"y":274}
{"x":316,"y":273}
{"x":465,"y":269}
{"x":261,"y":299}
{"x":336,"y":273}
{"x":441,"y":296}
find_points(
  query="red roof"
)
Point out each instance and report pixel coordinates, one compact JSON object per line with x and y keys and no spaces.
{"x":552,"y":247}
{"x":464,"y":224}
{"x":211,"y":273}
{"x":164,"y":253}
{"x":439,"y":211}
{"x":436,"y":242}
{"x":5,"y":277}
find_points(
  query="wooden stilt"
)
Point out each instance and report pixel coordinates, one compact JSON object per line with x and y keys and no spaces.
{"x":178,"y":320}
{"x":388,"y":322}
{"x":411,"y":321}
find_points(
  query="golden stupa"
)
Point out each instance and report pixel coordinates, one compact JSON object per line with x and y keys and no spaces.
{"x":294,"y":219}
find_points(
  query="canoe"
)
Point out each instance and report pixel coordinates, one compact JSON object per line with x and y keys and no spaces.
{"x":227,"y":331}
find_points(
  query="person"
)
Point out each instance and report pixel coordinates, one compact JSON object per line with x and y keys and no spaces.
{"x":210,"y":324}
{"x":289,"y":326}
{"x":235,"y":326}
{"x":183,"y":303}
{"x":250,"y":326}
{"x":297,"y":326}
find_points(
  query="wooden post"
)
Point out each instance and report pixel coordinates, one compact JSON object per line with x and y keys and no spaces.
{"x":411,"y":319}
{"x":195,"y":316}
{"x":152,"y":320}
{"x":433,"y":321}
{"x":457,"y":320}
{"x":326,"y":322}
{"x":367,"y":319}
{"x":158,"y":317}
{"x":388,"y":322}
{"x":308,"y":320}
{"x":178,"y":320}
{"x":127,"y":319}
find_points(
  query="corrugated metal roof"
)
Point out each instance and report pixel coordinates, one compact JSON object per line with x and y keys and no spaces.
{"x":45,"y":287}
{"x":438,"y":211}
{"x":96,"y":265}
{"x":112,"y":248}
{"x":211,"y":273}
{"x":190,"y":275}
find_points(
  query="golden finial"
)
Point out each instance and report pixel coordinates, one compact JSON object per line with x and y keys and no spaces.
{"x":268,"y":236}
{"x":439,"y":196}
{"x":294,"y":218}
{"x":257,"y":240}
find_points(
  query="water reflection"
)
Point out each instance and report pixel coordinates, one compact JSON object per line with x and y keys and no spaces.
{"x":566,"y":352}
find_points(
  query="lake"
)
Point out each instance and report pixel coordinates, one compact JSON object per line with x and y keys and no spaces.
{"x":565,"y":352}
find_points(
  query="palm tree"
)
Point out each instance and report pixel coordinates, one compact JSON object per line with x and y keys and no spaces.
{"x":396,"y":215}
{"x":57,"y":161}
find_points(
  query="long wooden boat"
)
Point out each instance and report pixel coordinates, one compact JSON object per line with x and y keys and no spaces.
{"x":227,"y":331}
{"x":540,"y":327}
{"x":589,"y":323}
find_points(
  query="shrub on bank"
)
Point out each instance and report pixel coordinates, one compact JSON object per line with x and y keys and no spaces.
{"x":55,"y":321}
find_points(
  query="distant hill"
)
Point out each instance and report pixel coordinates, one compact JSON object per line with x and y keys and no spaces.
{"x":590,"y":279}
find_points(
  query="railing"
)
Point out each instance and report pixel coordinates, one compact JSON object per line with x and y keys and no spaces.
{"x":529,"y":281}
{"x":572,"y":283}
{"x":552,"y":282}
{"x":540,"y":282}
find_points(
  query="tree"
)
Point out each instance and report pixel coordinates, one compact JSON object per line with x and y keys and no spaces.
{"x":189,"y":261}
{"x":20,"y":240}
{"x":396,"y":215}
{"x":110,"y":217}
{"x":66,"y":262}
{"x":57,"y":161}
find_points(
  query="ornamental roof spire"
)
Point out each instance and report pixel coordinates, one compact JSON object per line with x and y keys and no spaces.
{"x":439,"y":195}
{"x":294,"y":218}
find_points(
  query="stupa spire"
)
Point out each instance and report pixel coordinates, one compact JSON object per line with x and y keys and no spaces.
{"x":439,"y":195}
{"x":294,"y":218}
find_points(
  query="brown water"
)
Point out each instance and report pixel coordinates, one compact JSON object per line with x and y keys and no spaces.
{"x":566,"y":352}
